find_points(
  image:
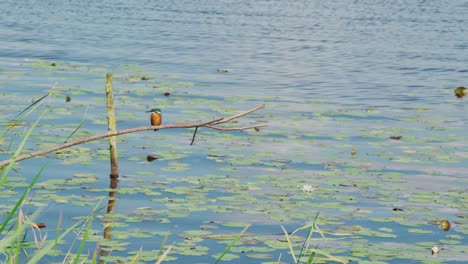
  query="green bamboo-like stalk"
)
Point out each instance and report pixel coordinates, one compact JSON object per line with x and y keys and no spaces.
{"x":111,"y":125}
{"x":114,"y":165}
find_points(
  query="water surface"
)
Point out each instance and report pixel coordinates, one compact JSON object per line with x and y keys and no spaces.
{"x":335,"y":76}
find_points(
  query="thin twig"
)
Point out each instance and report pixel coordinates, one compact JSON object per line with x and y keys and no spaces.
{"x":224,"y":120}
{"x":208,"y":124}
{"x":236,"y":128}
{"x":193,"y":138}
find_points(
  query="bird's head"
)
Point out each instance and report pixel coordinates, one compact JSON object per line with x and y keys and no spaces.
{"x":154,"y":110}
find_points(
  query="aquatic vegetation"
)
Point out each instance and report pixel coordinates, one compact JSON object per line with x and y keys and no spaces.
{"x":460,"y":92}
{"x":386,"y":201}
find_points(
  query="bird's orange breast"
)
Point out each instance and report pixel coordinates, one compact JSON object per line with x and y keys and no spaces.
{"x":156,"y":119}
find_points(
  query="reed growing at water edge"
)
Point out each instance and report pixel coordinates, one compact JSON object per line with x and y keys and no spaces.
{"x":16,"y":225}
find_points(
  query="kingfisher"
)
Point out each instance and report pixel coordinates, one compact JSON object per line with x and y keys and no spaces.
{"x":156,"y":117}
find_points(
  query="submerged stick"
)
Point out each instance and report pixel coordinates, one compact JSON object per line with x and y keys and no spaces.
{"x":209,"y":124}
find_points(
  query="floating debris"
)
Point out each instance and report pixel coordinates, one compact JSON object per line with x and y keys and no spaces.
{"x":353,"y":152}
{"x":167,"y":94}
{"x":460,"y":92}
{"x":150,"y":158}
{"x":397,"y":209}
{"x":39,"y":225}
{"x":445,"y":225}
{"x":67,"y":99}
{"x":222,"y":70}
{"x":396,"y":137}
{"x":137,"y":78}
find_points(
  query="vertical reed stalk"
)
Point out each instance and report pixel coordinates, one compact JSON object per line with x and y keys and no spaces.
{"x":114,"y":175}
{"x":112,"y":128}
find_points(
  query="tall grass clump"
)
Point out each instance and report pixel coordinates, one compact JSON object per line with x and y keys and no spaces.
{"x":14,"y":227}
{"x":306,"y":253}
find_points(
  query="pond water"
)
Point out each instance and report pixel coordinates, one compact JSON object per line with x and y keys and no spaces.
{"x":335,"y":76}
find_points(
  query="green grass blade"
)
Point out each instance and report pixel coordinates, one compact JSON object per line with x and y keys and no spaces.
{"x":6,"y":171}
{"x":57,"y":230}
{"x":279,"y":259}
{"x":28,"y":110}
{"x":19,"y":228}
{"x":135,"y":258}
{"x":232,"y":244}
{"x":13,"y":242}
{"x":40,"y":253}
{"x":312,"y":256}
{"x":330,"y":257}
{"x":161,"y":258}
{"x":21,"y":199}
{"x":34,"y":104}
{"x":95,"y":254}
{"x":305,"y":245}
{"x":85,"y":236}
{"x":289,"y":244}
{"x":166,"y":237}
{"x":78,"y":127}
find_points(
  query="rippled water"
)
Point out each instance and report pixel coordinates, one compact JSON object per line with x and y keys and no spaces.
{"x":359,"y":50}
{"x":334,"y":74}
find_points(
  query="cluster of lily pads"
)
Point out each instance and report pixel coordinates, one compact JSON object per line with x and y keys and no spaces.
{"x":384,"y":180}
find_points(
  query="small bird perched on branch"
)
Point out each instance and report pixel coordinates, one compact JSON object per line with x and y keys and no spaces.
{"x":156,"y":117}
